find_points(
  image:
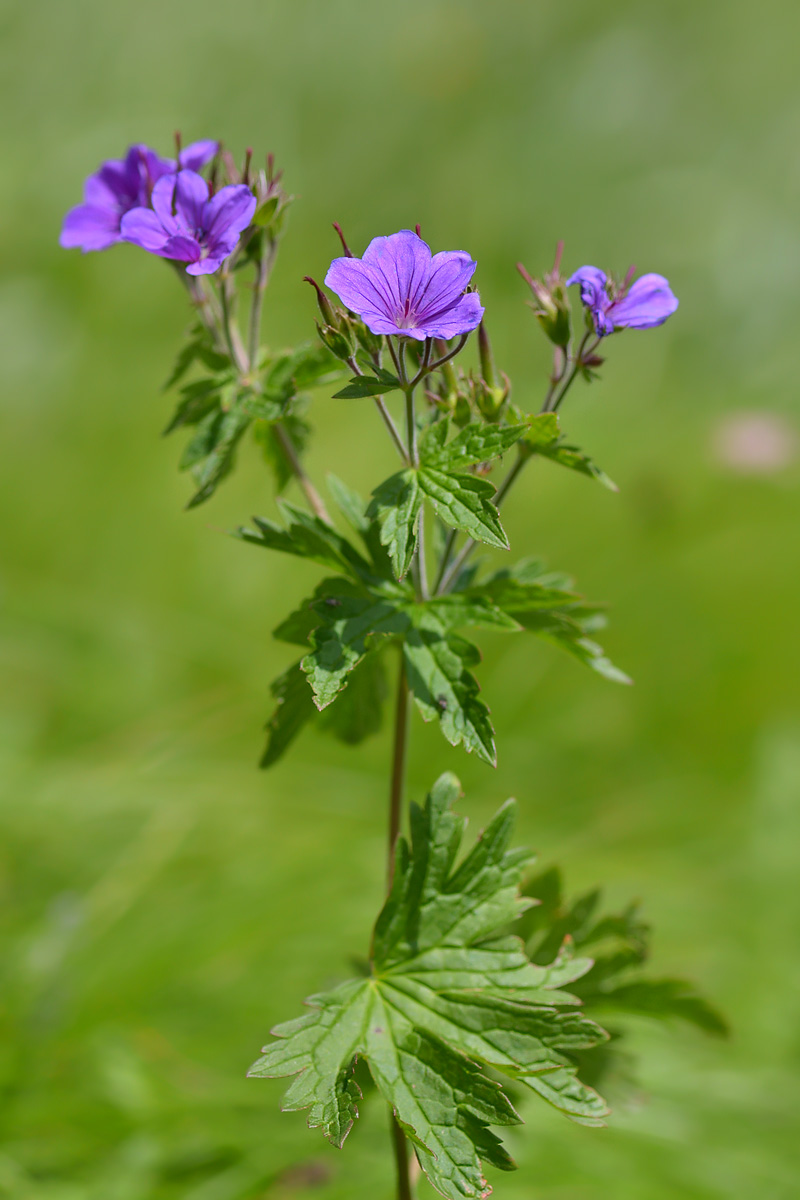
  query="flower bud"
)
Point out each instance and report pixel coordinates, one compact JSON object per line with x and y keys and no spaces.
{"x":337,"y":340}
{"x":550,"y":304}
{"x":325,"y":306}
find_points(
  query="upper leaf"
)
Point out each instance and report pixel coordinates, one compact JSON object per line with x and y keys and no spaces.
{"x":306,"y":536}
{"x":544,"y":438}
{"x":477,"y":442}
{"x":369,"y":385}
{"x":448,"y":996}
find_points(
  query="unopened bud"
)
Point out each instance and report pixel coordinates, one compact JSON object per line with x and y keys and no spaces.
{"x":551,"y":305}
{"x":325,"y":306}
{"x":462,"y":410}
{"x":337,"y":341}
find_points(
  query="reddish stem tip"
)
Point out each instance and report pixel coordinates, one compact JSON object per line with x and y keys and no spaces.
{"x":348,"y":252}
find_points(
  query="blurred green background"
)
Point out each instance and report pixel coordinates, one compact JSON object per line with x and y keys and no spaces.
{"x":164,"y":902}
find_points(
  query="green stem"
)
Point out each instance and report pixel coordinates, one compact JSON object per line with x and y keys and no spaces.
{"x":448,"y":575}
{"x":311,"y":494}
{"x":403,"y":701}
{"x":263,"y":270}
{"x":402,"y":705}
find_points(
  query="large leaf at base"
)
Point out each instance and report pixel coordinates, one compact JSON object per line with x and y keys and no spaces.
{"x":449,"y":996}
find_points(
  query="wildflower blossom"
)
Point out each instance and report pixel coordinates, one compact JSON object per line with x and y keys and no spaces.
{"x":186,"y":223}
{"x":647,"y":302}
{"x":120,"y":185}
{"x":398,"y":287}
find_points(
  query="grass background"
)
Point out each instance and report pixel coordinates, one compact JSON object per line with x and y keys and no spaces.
{"x":163,"y":902}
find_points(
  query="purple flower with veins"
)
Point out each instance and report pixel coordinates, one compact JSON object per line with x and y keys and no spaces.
{"x":398,"y":287}
{"x":188,"y":224}
{"x":120,"y":185}
{"x":647,"y":302}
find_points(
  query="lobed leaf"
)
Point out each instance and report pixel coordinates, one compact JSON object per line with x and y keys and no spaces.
{"x":544,"y":438}
{"x":449,"y":996}
{"x":444,"y":689}
{"x":475,"y":443}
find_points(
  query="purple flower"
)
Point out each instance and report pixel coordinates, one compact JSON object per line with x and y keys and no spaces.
{"x":120,"y":185}
{"x":397,"y":287}
{"x":646,"y":303}
{"x":187,"y":224}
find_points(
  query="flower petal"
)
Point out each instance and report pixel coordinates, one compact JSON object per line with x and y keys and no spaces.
{"x":451,"y":271}
{"x":648,"y":302}
{"x":197,"y":154}
{"x":228,"y":212}
{"x":362,"y":290}
{"x":142,"y":227}
{"x":98,"y":194}
{"x":186,"y":193}
{"x":182,"y":249}
{"x":90,"y":227}
{"x":461,"y":317}
{"x":593,"y":286}
{"x":403,"y":260}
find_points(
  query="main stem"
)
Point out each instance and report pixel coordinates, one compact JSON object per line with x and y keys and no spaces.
{"x":399,"y":1143}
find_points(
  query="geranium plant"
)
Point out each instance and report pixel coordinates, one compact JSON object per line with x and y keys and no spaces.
{"x":481,"y":986}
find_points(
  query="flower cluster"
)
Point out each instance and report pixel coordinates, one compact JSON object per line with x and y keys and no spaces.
{"x":164,"y":206}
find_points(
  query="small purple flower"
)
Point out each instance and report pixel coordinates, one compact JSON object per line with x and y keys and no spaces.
{"x":120,"y":185}
{"x":647,"y":302}
{"x":397,"y":287}
{"x":186,"y":223}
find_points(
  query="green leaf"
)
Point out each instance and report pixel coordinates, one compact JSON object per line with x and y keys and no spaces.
{"x":395,"y":506}
{"x":307,"y":366}
{"x":544,"y":438}
{"x":306,"y":536}
{"x":351,"y":621}
{"x":662,"y":998}
{"x":295,"y":707}
{"x":475,"y":443}
{"x":198,"y":399}
{"x":463,"y":502}
{"x":353,"y":509}
{"x":199,"y":348}
{"x":358,"y":711}
{"x":369,"y":385}
{"x":297,"y":430}
{"x":449,"y":996}
{"x":457,"y":609}
{"x":542,"y":605}
{"x":218,"y":435}
{"x":445,"y":690}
